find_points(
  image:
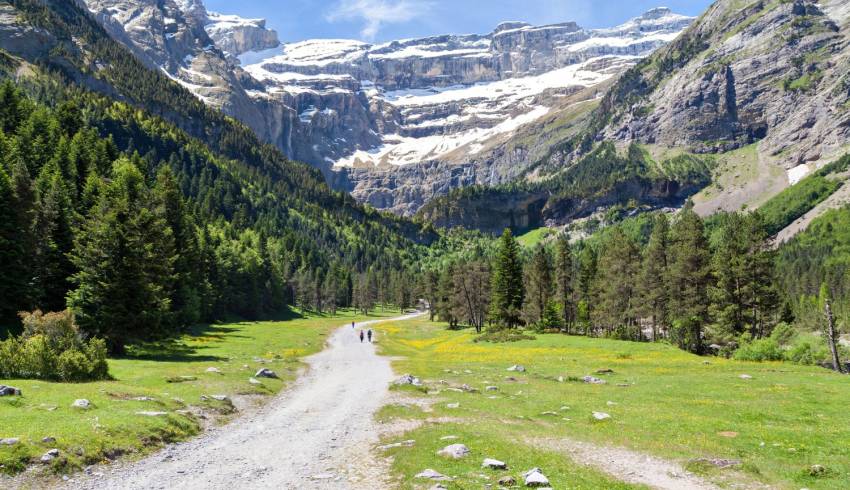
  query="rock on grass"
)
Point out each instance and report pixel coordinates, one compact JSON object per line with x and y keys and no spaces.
{"x":454,"y":451}
{"x":430,"y":474}
{"x":494,"y":464}
{"x":535,"y":478}
{"x":81,"y":404}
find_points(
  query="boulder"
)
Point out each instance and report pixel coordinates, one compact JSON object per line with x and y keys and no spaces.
{"x":507,"y":481}
{"x":408,"y":379}
{"x":9,"y":391}
{"x":266,"y":373}
{"x":48,"y":440}
{"x":50,"y":456}
{"x":430,"y":474}
{"x":9,"y":441}
{"x":601,"y":416}
{"x":517,"y":367}
{"x":214,"y":370}
{"x":221,"y":398}
{"x":494,"y":464}
{"x":454,"y":451}
{"x":535,"y":478}
{"x":82,"y":404}
{"x":817,"y":470}
{"x":594,"y":381}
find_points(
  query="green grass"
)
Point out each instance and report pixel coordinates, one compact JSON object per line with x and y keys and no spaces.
{"x":671,"y":404}
{"x":795,"y":201}
{"x":172,"y":373}
{"x":531,"y":238}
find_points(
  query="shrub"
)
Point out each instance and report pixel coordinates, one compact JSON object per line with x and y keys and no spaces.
{"x":52,"y":348}
{"x":759,"y":350}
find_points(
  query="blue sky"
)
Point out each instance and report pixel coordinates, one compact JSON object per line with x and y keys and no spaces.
{"x":382,"y":20}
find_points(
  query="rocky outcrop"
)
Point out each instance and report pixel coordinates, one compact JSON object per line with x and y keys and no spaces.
{"x":235,"y":35}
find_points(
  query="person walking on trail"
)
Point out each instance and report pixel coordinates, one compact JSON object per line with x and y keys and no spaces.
{"x":370,"y":336}
{"x":352,"y":325}
{"x":361,"y":336}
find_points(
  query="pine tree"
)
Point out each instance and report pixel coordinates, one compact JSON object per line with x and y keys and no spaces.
{"x":688,"y":280}
{"x":10,"y":250}
{"x":616,"y":293}
{"x":538,"y":278}
{"x":54,"y":239}
{"x":564,"y":281}
{"x":508,"y":291}
{"x":653,"y":291}
{"x":125,"y":256}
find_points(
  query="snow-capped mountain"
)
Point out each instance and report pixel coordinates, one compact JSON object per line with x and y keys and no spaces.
{"x":362,"y":112}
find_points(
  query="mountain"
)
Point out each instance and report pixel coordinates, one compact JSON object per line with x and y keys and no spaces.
{"x":394,"y":124}
{"x":750,"y":99}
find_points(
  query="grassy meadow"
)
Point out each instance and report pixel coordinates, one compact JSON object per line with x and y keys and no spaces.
{"x":169,"y":376}
{"x":662,"y":401}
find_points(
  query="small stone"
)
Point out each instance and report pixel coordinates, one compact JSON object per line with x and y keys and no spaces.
{"x":448,"y":438}
{"x":452,"y":405}
{"x":561,"y":379}
{"x":594,"y":381}
{"x":565,"y":408}
{"x":468,"y":389}
{"x":9,"y":441}
{"x":408,"y":379}
{"x":727,"y":433}
{"x":535,"y":478}
{"x":221,"y":398}
{"x":454,"y":451}
{"x":507,"y":481}
{"x":518,"y":368}
{"x":143,"y":399}
{"x":601,"y":416}
{"x":266,"y":373}
{"x":408,"y":443}
{"x":492,"y":388}
{"x":547,"y":413}
{"x":82,"y":403}
{"x":214,"y":370}
{"x":494,"y":464}
{"x":430,"y":474}
{"x":610,"y":403}
{"x":50,"y":456}
{"x":152,"y":414}
{"x":817,"y":470}
{"x":48,"y":440}
{"x":9,"y":391}
{"x":605,"y":371}
{"x":254,"y":381}
{"x":745,"y":376}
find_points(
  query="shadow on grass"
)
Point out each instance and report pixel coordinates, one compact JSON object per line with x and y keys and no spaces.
{"x":176,"y":349}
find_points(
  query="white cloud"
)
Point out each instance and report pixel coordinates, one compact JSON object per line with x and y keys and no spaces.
{"x":376,"y":13}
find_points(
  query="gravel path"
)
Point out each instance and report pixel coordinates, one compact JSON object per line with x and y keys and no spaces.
{"x":316,"y":434}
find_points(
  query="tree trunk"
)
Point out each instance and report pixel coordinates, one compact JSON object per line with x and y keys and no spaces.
{"x":832,"y":337}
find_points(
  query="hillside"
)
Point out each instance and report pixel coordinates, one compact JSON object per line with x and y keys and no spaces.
{"x":94,"y":136}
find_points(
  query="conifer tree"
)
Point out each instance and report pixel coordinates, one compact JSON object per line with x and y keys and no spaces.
{"x":688,"y":279}
{"x":507,"y":282}
{"x":538,"y":280}
{"x":653,"y":289}
{"x":564,"y":281}
{"x":125,"y":256}
{"x":616,"y":292}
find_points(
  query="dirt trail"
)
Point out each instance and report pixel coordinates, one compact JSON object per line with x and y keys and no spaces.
{"x":316,"y":434}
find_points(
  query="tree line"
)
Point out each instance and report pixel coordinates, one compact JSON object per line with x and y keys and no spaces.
{"x":693,"y":283}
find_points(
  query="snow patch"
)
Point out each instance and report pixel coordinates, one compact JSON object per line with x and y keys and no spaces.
{"x":798,"y":173}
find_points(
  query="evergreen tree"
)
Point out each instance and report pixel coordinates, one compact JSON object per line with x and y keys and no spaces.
{"x":653,"y":291}
{"x":688,"y":278}
{"x":507,"y":282}
{"x":616,"y":294}
{"x":564,"y":281}
{"x":538,"y":280}
{"x":125,"y":258}
{"x":54,"y":239}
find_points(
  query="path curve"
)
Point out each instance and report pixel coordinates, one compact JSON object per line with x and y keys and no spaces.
{"x":316,"y":434}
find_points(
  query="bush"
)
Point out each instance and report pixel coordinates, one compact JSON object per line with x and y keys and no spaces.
{"x":759,"y":350}
{"x":52,"y":348}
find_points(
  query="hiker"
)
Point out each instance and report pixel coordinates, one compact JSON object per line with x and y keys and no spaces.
{"x":361,"y":336}
{"x":352,"y":325}
{"x":370,"y":336}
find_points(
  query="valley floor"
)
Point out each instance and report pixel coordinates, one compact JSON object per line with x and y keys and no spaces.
{"x":676,"y":420}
